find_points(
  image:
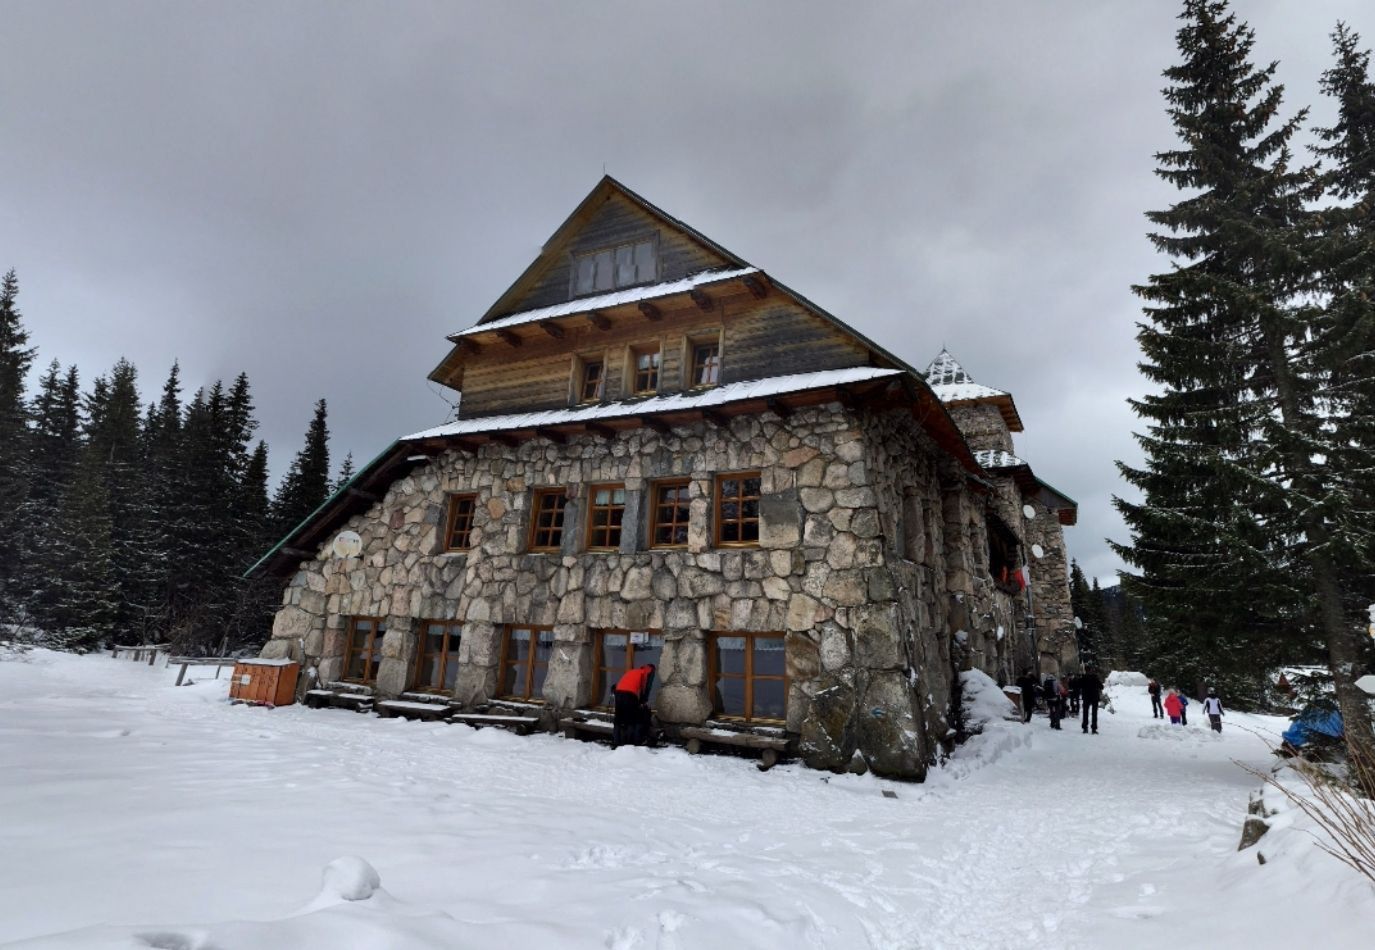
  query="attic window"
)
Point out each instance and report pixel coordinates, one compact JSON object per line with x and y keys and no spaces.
{"x":612,"y":268}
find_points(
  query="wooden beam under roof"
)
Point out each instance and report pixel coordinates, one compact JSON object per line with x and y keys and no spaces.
{"x":553,"y":329}
{"x":650,"y":311}
{"x":299,"y":553}
{"x":757,"y":287}
{"x":602,"y":431}
{"x":598,"y":320}
{"x":553,"y":435}
{"x":716,"y":417}
{"x":363,"y":494}
{"x":466,"y":345}
{"x":510,"y":337}
{"x":505,"y":438}
{"x":701,"y":299}
{"x":779,"y":408}
{"x":655,"y":423}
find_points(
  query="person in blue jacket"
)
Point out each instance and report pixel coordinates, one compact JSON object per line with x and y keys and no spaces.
{"x":1183,"y":708}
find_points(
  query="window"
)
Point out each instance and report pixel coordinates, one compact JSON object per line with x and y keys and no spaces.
{"x":591,"y":380}
{"x":1002,"y":556}
{"x":706,"y":363}
{"x":737,"y":509}
{"x":749,"y":676}
{"x":363,"y":648}
{"x":436,"y":656}
{"x":606,"y":509}
{"x":546,"y":520}
{"x":668,"y":519}
{"x":457,"y":537}
{"x":619,"y":651}
{"x":615,"y":267}
{"x":525,"y":655}
{"x":645,"y":363}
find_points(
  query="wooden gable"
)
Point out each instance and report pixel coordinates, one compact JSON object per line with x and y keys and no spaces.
{"x":609,"y":216}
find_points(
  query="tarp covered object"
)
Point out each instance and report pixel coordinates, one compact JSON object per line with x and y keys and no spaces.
{"x":1311,"y":724}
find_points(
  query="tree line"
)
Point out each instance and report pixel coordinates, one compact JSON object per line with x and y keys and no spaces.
{"x":1253,"y":543}
{"x":127,"y":522}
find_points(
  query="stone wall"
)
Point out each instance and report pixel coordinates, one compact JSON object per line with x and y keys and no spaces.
{"x":869,"y":630}
{"x":983,"y":427}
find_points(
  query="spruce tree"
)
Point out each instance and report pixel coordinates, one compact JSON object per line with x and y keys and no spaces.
{"x":307,"y":483}
{"x":81,"y":577}
{"x":164,"y":480}
{"x":346,"y":473}
{"x":15,"y":359}
{"x":1336,"y":499}
{"x":56,"y":445}
{"x":1218,"y":574}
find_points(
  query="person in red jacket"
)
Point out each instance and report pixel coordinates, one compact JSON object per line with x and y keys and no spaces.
{"x":632,"y":717}
{"x":1173,"y":706}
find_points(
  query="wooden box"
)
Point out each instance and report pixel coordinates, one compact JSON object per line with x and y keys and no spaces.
{"x":265,"y":682}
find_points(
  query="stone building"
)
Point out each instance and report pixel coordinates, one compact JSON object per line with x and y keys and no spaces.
{"x":664,"y":454}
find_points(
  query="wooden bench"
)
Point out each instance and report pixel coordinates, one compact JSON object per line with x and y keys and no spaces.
{"x":407,"y":709}
{"x":319,"y":698}
{"x":592,"y":728}
{"x":520,"y":725}
{"x":341,"y":696}
{"x":770,"y":748}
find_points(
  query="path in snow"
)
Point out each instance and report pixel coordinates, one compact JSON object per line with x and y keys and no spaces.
{"x":134,"y":807}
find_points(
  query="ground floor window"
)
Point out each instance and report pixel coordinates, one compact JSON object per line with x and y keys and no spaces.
{"x":748,"y":675}
{"x":619,"y":651}
{"x":525,"y":652}
{"x":363,"y":648}
{"x":436,"y":656}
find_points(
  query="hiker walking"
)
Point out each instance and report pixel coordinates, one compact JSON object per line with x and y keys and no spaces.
{"x":1027,"y":684}
{"x":1157,"y":710}
{"x":632,"y":716}
{"x":1090,"y":692}
{"x":1183,"y":708}
{"x":1074,"y":694}
{"x":1172,"y":706}
{"x":1212,"y":706}
{"x":1055,"y":703}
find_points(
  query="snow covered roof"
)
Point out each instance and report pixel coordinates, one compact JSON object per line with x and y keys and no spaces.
{"x":952,"y":384}
{"x":613,"y":299}
{"x":670,"y":402}
{"x":997,"y":458}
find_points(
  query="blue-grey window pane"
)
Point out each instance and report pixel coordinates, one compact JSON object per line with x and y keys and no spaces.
{"x":605,"y":278}
{"x":644,"y":261}
{"x":586,"y":268}
{"x":730,"y":654}
{"x":769,"y":656}
{"x":770,"y":700}
{"x":625,"y":266}
{"x":730,"y":696}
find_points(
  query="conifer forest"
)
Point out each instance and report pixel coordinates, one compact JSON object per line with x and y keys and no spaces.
{"x":130,"y":518}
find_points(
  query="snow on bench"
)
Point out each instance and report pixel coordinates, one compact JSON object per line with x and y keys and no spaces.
{"x":571,"y":726}
{"x":520,"y":725}
{"x":770,"y":747}
{"x":412,"y":710}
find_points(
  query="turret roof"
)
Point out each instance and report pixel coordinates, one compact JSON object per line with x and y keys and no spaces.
{"x":953,"y":385}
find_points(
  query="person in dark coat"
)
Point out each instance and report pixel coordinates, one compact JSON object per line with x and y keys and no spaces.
{"x":1055,"y":703}
{"x":1027,"y":684}
{"x":1183,"y":708}
{"x":1157,"y":710}
{"x":1090,"y":692}
{"x":631,"y":722}
{"x":1073,"y":685}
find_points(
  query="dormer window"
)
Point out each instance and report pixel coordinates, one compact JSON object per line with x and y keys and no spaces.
{"x":615,"y":267}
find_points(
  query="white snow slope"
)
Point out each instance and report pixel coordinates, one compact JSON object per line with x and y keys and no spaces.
{"x":135,"y":814}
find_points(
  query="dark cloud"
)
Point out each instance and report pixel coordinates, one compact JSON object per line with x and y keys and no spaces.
{"x":317,"y":192}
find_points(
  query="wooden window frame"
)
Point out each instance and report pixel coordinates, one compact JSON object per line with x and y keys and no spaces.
{"x":373,"y":651}
{"x":690,"y":359}
{"x":573,"y":258}
{"x":632,"y":371}
{"x":740,"y":520}
{"x":456,"y":518}
{"x":654,"y":506}
{"x":590,"y":537}
{"x":526,"y":670}
{"x":749,"y":676}
{"x":580,"y":367}
{"x":453,"y":635}
{"x":601,"y":687}
{"x":555,"y":534}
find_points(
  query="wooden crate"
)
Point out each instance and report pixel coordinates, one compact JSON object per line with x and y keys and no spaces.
{"x":265,"y":682}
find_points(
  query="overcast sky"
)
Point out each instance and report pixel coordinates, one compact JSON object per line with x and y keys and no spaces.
{"x":316,"y":193}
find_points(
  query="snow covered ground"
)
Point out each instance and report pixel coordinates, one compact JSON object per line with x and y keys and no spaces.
{"x":135,"y":814}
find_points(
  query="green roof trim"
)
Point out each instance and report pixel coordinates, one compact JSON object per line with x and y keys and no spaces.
{"x":338,"y":492}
